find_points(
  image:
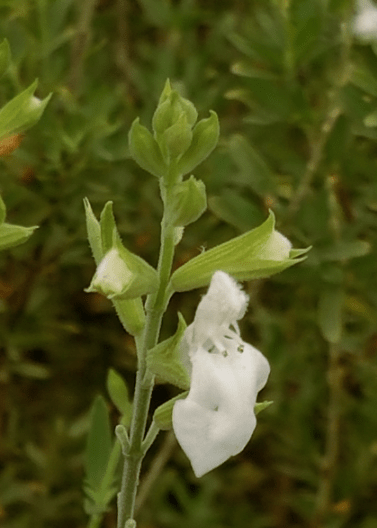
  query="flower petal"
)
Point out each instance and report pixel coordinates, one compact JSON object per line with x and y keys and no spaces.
{"x":217,"y":418}
{"x":223,"y":305}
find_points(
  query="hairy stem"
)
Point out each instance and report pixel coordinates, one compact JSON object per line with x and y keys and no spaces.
{"x":155,"y":308}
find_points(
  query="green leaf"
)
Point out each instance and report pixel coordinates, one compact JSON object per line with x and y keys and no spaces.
{"x":164,"y":359}
{"x":22,"y":112}
{"x":274,"y":98}
{"x":330,"y":307}
{"x":118,"y":392}
{"x":260,"y":177}
{"x":344,"y":250}
{"x":5,"y":56}
{"x":238,"y":211}
{"x":98,"y":445}
{"x":94,"y":232}
{"x":238,"y":257}
{"x":363,"y":77}
{"x":163,"y":414}
{"x":13,"y":235}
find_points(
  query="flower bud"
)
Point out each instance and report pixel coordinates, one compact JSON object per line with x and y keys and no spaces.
{"x":277,"y":247}
{"x":112,"y":275}
{"x":123,"y":275}
{"x":204,"y":140}
{"x":13,"y":235}
{"x":22,"y":112}
{"x":145,"y":150}
{"x":177,"y":138}
{"x":170,"y":110}
{"x":189,"y":202}
{"x":261,"y":252}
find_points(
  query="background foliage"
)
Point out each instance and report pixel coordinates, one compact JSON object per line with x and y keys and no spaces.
{"x":296,"y":95}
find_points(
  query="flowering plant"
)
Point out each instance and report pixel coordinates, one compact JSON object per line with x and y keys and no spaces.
{"x":222,"y":374}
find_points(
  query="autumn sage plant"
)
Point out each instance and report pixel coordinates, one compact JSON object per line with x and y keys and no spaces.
{"x":220,"y":375}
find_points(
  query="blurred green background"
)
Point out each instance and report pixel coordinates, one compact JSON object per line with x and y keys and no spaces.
{"x":296,"y":96}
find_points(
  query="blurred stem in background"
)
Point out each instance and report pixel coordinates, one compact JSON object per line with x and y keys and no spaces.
{"x":80,"y":43}
{"x":317,"y":141}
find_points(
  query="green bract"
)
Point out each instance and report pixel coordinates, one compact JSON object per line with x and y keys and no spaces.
{"x":164,"y":359}
{"x":204,"y":139}
{"x":145,"y":150}
{"x":258,"y":253}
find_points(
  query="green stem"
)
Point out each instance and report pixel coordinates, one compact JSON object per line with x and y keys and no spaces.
{"x":155,"y":308}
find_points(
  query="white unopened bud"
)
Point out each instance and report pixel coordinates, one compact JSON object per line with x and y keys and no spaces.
{"x":276,"y":248}
{"x":34,"y":103}
{"x":113,"y":275}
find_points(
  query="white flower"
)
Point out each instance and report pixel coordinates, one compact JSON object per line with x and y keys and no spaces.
{"x":217,"y":418}
{"x":112,"y":274}
{"x":365,"y":22}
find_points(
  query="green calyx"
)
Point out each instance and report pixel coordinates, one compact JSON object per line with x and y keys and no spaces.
{"x":21,"y":112}
{"x":101,"y":238}
{"x":163,"y":415}
{"x":120,"y":274}
{"x":12,"y":235}
{"x":164,"y":359}
{"x":261,"y":252}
